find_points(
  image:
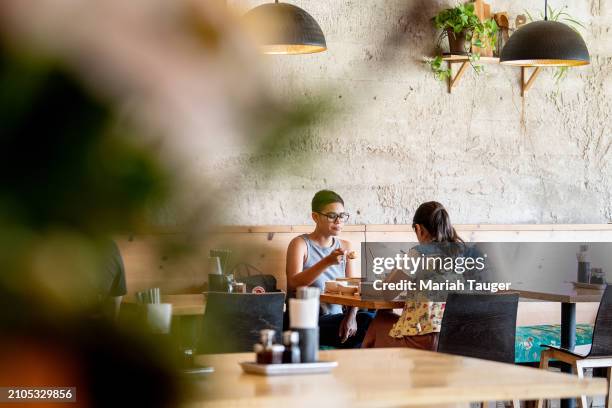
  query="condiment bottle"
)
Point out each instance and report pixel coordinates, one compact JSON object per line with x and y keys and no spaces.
{"x":260,"y":356}
{"x":188,"y":358}
{"x":584,"y":266}
{"x":598,"y":276}
{"x":277,"y":353}
{"x":291,"y":355}
{"x":267,"y":352}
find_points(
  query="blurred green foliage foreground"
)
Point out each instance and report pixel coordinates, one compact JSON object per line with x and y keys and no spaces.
{"x":70,"y":173}
{"x":71,"y":176}
{"x":77,"y":170}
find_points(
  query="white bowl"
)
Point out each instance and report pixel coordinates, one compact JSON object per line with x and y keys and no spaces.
{"x":348,"y":290}
{"x":331,"y":287}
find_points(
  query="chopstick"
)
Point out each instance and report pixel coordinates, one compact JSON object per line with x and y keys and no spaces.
{"x":149,"y":296}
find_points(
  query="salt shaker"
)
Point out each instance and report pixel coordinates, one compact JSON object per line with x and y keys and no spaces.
{"x":292,"y":353}
{"x":598,"y":276}
{"x":584,"y":266}
{"x":267,"y":352}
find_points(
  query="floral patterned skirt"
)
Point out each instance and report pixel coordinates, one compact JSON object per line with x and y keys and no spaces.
{"x":418,"y":318}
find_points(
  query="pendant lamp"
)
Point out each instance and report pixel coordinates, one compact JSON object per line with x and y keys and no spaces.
{"x":545,"y":44}
{"x":282,"y":28}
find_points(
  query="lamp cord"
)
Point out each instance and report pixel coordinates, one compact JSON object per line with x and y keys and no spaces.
{"x":545,"y":10}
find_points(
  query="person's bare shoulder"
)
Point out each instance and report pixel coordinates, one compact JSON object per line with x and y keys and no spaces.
{"x":297,"y":246}
{"x":344,"y":244}
{"x":297,"y":242}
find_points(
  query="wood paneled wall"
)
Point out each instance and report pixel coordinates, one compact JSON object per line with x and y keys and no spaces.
{"x":149,"y":265}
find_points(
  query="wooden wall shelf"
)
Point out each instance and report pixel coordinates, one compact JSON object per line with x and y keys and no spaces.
{"x":464,"y":60}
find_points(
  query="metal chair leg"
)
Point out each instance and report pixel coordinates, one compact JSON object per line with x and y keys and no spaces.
{"x":609,"y":396}
{"x":578,"y":368}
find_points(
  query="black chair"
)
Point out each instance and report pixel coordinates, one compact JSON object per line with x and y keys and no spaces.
{"x":232,"y":321}
{"x":597,"y":354}
{"x":480,"y":326}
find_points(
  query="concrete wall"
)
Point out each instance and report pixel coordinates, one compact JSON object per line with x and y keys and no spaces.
{"x":397,"y":137}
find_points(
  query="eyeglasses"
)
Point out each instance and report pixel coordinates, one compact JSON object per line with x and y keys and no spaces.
{"x":332,"y":216}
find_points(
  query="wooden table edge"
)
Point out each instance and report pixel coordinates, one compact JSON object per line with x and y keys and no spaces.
{"x":357,"y":301}
{"x":412,"y":397}
{"x":595,"y":296}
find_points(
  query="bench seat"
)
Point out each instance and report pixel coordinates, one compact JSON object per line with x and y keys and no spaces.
{"x":529,"y":338}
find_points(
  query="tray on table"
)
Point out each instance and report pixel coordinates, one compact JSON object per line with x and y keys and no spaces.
{"x":288,"y":369}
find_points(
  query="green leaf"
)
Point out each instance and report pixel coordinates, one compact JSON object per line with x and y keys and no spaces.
{"x":560,"y":15}
{"x":560,"y":74}
{"x":575,"y":22}
{"x":439,"y":72}
{"x":462,"y":18}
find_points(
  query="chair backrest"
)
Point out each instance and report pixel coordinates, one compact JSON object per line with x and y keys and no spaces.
{"x":232,"y":321}
{"x":602,"y":332}
{"x":481,"y":326}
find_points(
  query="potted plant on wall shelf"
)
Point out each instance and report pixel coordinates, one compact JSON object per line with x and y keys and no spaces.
{"x":463,"y":29}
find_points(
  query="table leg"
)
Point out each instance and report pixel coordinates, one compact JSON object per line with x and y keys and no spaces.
{"x":568,"y":340}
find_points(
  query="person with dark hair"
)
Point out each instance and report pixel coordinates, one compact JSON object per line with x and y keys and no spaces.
{"x":419,"y":324}
{"x":431,"y":223}
{"x":313,"y":259}
{"x":107,"y":284}
{"x":113,"y":286}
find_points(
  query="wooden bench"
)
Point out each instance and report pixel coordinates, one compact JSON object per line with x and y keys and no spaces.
{"x":264,"y":247}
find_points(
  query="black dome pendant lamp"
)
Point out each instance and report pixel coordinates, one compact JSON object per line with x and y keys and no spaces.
{"x":283,"y":28}
{"x":545,"y":44}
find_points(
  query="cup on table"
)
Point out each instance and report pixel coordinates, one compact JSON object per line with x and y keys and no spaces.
{"x":598,"y":276}
{"x":219,"y":283}
{"x":238,"y":287}
{"x":584,"y":272}
{"x":349,"y":290}
{"x":187,"y":358}
{"x":214,"y":266}
{"x":331,"y":286}
{"x":304,"y":319}
{"x":159,"y":317}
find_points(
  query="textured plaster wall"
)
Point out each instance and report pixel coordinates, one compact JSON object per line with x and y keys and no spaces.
{"x":397,"y":137}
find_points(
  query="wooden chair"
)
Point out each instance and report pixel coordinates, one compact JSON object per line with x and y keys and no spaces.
{"x":232,"y":321}
{"x":480,"y":326}
{"x":596,"y":354}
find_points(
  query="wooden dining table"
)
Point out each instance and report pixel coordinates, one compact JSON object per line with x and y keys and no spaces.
{"x":358,"y":301}
{"x":195,"y":304}
{"x":565,"y":293}
{"x":568,"y":296}
{"x":186,"y":305}
{"x":383,"y":378}
{"x":191,"y":304}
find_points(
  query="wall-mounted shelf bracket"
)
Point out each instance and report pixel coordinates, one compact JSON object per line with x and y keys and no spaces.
{"x":526,"y":85}
{"x":464,"y":60}
{"x":527,"y":79}
{"x":452,"y":81}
